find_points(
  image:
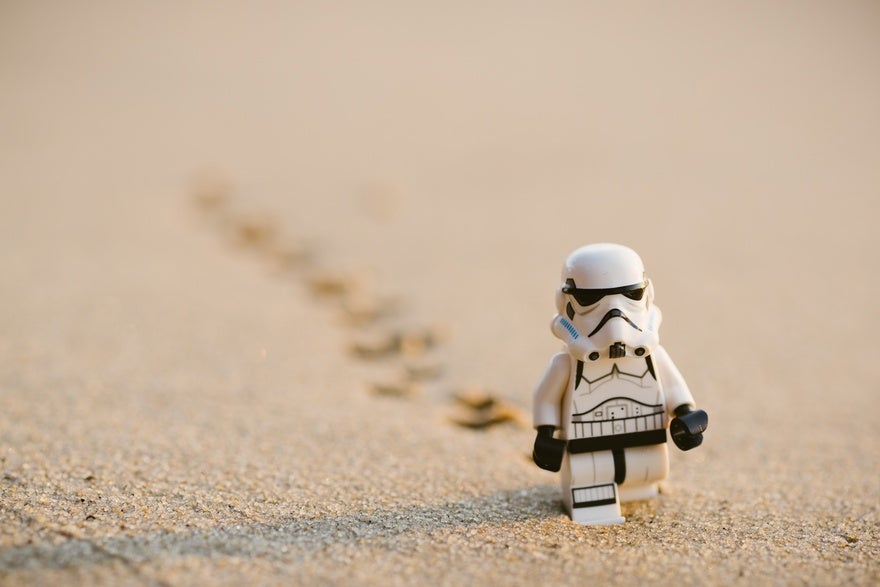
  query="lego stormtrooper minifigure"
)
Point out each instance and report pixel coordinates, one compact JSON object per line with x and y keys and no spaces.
{"x":611,"y":393}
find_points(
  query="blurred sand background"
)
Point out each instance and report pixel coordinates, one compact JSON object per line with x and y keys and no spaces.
{"x":179,"y":398}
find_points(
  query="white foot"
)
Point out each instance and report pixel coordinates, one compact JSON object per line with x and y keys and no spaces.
{"x":637,"y":492}
{"x":603,"y":515}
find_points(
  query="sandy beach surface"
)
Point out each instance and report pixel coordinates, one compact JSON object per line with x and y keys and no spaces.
{"x":276,"y":280}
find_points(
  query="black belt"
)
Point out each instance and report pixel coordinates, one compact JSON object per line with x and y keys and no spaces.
{"x":617,"y":441}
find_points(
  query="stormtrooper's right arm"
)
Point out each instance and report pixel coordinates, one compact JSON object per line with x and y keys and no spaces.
{"x":547,"y":407}
{"x":688,"y":424}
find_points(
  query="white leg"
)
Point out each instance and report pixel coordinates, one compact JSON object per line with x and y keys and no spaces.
{"x":588,"y":489}
{"x":645,"y":467}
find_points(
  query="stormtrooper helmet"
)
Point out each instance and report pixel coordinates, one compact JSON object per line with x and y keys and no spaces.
{"x":608,"y":301}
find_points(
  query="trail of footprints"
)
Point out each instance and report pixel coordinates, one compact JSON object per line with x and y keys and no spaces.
{"x":377,"y":338}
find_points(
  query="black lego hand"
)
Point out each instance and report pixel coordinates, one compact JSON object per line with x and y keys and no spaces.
{"x":688,"y":426}
{"x":548,"y":450}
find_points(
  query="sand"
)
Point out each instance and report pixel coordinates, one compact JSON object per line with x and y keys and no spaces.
{"x":261,"y":266}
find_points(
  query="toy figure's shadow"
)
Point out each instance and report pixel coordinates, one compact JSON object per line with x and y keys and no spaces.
{"x":290,"y":536}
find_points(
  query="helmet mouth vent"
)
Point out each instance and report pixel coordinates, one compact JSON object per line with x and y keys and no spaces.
{"x":615,"y":313}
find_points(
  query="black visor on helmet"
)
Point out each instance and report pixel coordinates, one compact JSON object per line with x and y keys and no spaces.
{"x":588,"y":297}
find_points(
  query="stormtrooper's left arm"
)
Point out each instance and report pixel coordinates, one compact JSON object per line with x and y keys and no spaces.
{"x":687,"y":425}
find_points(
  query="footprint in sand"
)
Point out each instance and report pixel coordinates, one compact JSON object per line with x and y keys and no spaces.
{"x":479,"y":409}
{"x":354,"y":295}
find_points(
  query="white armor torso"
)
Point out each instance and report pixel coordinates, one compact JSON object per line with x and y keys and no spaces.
{"x":613,"y":398}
